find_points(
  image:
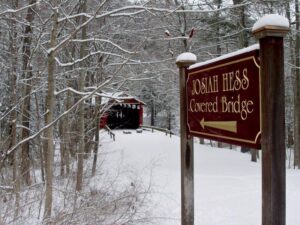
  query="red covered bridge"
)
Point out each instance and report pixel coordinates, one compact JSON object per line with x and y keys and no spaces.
{"x":124,"y":112}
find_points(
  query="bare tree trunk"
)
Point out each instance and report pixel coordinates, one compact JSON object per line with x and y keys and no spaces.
{"x":201,"y":141}
{"x":245,"y":149}
{"x":241,"y":24}
{"x":290,"y":90}
{"x":39,"y":141}
{"x":66,"y":136}
{"x":182,"y":19}
{"x":219,"y":50}
{"x":96,"y":147}
{"x":297,"y":90}
{"x":220,"y":144}
{"x":25,"y":164}
{"x":152,"y":122}
{"x":70,"y":146}
{"x":50,"y":103}
{"x":81,"y":106}
{"x":243,"y":42}
{"x":97,"y":79}
{"x":62,"y":147}
{"x":97,"y":129}
{"x":64,"y":141}
{"x":169,"y":119}
{"x":27,"y":75}
{"x":254,"y":155}
{"x":49,"y":145}
{"x":13,"y":93}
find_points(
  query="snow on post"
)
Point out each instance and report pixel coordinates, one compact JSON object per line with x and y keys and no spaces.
{"x":186,"y":58}
{"x":271,"y":25}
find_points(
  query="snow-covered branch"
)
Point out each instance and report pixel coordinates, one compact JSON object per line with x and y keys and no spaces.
{"x":71,"y":90}
{"x":171,"y":38}
{"x":165,"y":10}
{"x":88,"y":56}
{"x":15,"y":147}
{"x":80,"y":92}
{"x":140,"y":9}
{"x":75,"y":16}
{"x":18,"y":10}
{"x":103,"y":40}
{"x":12,"y":149}
{"x":138,"y":62}
{"x":6,"y":188}
{"x":70,"y":36}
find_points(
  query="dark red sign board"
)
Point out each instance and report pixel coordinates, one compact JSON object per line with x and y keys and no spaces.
{"x":223,"y":100}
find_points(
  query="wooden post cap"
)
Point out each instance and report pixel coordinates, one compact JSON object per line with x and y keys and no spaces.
{"x":185,"y":59}
{"x":271,"y":25}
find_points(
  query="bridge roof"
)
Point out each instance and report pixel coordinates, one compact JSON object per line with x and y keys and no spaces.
{"x":120,"y":97}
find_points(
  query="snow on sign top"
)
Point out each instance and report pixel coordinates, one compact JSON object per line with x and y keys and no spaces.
{"x":271,"y":20}
{"x":229,"y":55}
{"x":186,"y":57}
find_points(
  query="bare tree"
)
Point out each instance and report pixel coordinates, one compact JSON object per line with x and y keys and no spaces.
{"x":297,"y":88}
{"x":13,"y":119}
{"x":50,"y":104}
{"x":26,"y":109}
{"x":81,"y":84}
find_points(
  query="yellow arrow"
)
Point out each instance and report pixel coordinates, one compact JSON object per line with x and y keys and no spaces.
{"x":222,"y":125}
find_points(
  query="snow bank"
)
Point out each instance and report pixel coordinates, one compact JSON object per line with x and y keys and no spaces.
{"x":227,"y":183}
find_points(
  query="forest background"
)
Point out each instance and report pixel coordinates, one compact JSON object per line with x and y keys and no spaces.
{"x":59,"y":58}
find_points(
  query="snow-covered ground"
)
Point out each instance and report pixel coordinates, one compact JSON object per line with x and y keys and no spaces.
{"x":227,"y":184}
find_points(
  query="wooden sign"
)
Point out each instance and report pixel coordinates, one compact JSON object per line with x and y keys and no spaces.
{"x":223,"y":100}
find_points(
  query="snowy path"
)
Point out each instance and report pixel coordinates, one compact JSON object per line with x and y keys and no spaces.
{"x":227,"y":184}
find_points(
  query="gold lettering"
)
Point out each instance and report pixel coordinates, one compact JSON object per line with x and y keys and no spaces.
{"x":196,"y":87}
{"x":210,"y":87}
{"x":231,"y":76}
{"x":245,"y":81}
{"x":237,"y":83}
{"x":216,"y":81}
{"x":233,"y":81}
{"x":238,"y":106}
{"x":203,"y":106}
{"x":228,"y":79}
{"x":205,"y":85}
{"x":225,"y":81}
{"x":192,"y":103}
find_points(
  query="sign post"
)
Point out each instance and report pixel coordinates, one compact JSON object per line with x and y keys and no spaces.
{"x":187,"y":147}
{"x":273,"y":123}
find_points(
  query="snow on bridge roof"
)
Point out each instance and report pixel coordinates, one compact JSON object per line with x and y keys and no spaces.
{"x":119,"y":97}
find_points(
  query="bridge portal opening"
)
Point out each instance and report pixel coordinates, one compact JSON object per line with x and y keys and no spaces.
{"x":125,"y":112}
{"x":124,"y":116}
